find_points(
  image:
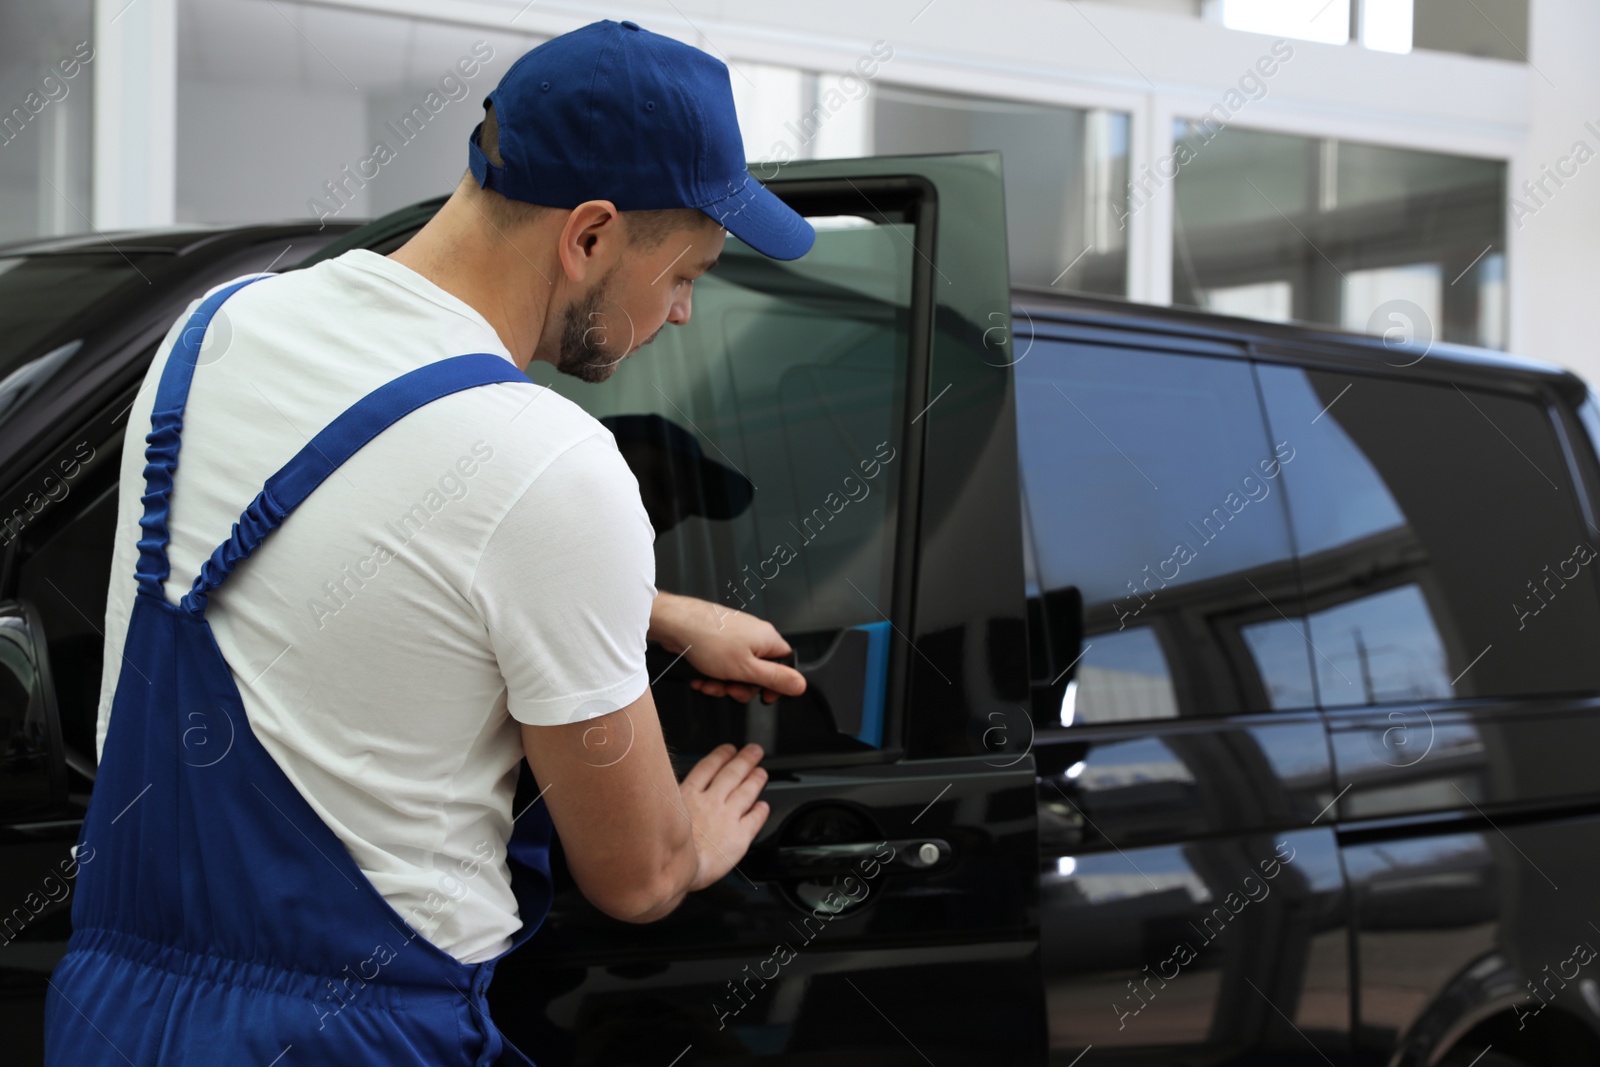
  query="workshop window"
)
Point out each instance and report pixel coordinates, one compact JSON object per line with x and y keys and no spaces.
{"x":1398,"y":243}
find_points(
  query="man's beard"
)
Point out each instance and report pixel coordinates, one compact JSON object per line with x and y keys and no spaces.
{"x":578,"y":357}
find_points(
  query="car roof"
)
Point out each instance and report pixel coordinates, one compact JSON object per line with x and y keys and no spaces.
{"x":169,"y":240}
{"x":1051,"y":305}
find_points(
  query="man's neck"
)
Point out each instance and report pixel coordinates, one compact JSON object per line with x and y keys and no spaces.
{"x":492,"y":275}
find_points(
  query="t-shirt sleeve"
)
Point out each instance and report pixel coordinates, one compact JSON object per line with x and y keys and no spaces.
{"x":565,"y":584}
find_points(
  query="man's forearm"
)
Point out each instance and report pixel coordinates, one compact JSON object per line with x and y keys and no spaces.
{"x":671,"y":619}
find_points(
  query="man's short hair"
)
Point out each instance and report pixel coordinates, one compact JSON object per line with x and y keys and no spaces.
{"x":646,"y":229}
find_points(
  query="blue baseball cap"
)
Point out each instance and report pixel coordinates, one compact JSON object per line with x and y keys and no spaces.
{"x":614,"y":112}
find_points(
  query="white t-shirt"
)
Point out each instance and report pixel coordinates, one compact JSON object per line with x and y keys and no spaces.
{"x":486,"y":560}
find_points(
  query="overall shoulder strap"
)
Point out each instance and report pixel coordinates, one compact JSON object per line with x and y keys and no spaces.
{"x":337,"y":442}
{"x":166,"y":428}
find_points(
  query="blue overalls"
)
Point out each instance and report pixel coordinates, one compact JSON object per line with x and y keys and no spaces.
{"x":219,"y":920}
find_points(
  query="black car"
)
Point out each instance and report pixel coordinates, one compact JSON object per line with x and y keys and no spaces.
{"x":1184,"y":690}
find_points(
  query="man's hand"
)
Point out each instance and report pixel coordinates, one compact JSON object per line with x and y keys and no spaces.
{"x":719,"y":794}
{"x":729,"y":647}
{"x":635,"y":847}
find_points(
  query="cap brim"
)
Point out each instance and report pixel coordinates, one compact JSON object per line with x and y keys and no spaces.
{"x":755,"y":215}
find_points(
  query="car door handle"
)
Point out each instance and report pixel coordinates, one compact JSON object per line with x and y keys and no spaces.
{"x":909,"y":854}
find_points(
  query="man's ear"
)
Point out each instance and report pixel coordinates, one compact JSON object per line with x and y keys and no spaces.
{"x":593,"y":239}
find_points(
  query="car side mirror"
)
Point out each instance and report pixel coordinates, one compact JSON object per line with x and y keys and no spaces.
{"x":33,"y":768}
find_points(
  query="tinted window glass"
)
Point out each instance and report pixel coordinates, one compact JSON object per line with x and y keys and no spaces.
{"x":1441,"y":544}
{"x":40,"y":293}
{"x":764,"y":435}
{"x":1151,"y":492}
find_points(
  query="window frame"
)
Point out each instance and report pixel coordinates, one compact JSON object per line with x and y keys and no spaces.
{"x":884,"y":197}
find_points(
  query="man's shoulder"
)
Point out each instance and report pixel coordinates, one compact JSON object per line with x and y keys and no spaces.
{"x":348,"y":282}
{"x":536,"y":424}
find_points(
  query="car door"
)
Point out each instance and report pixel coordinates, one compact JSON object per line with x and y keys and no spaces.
{"x":1449,"y":558}
{"x":829,"y":445}
{"x":1193,"y":907}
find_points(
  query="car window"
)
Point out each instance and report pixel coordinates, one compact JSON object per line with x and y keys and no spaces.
{"x":1442,"y":547}
{"x":1156,"y":524}
{"x":40,"y":292}
{"x":765,"y":438}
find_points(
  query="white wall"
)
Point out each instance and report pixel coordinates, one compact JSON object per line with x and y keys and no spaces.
{"x":46,"y":111}
{"x":1556,"y":273}
{"x":282,"y":107}
{"x":435,"y":158}
{"x":232,"y":166}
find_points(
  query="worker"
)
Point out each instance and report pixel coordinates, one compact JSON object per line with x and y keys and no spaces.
{"x":315,"y":711}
